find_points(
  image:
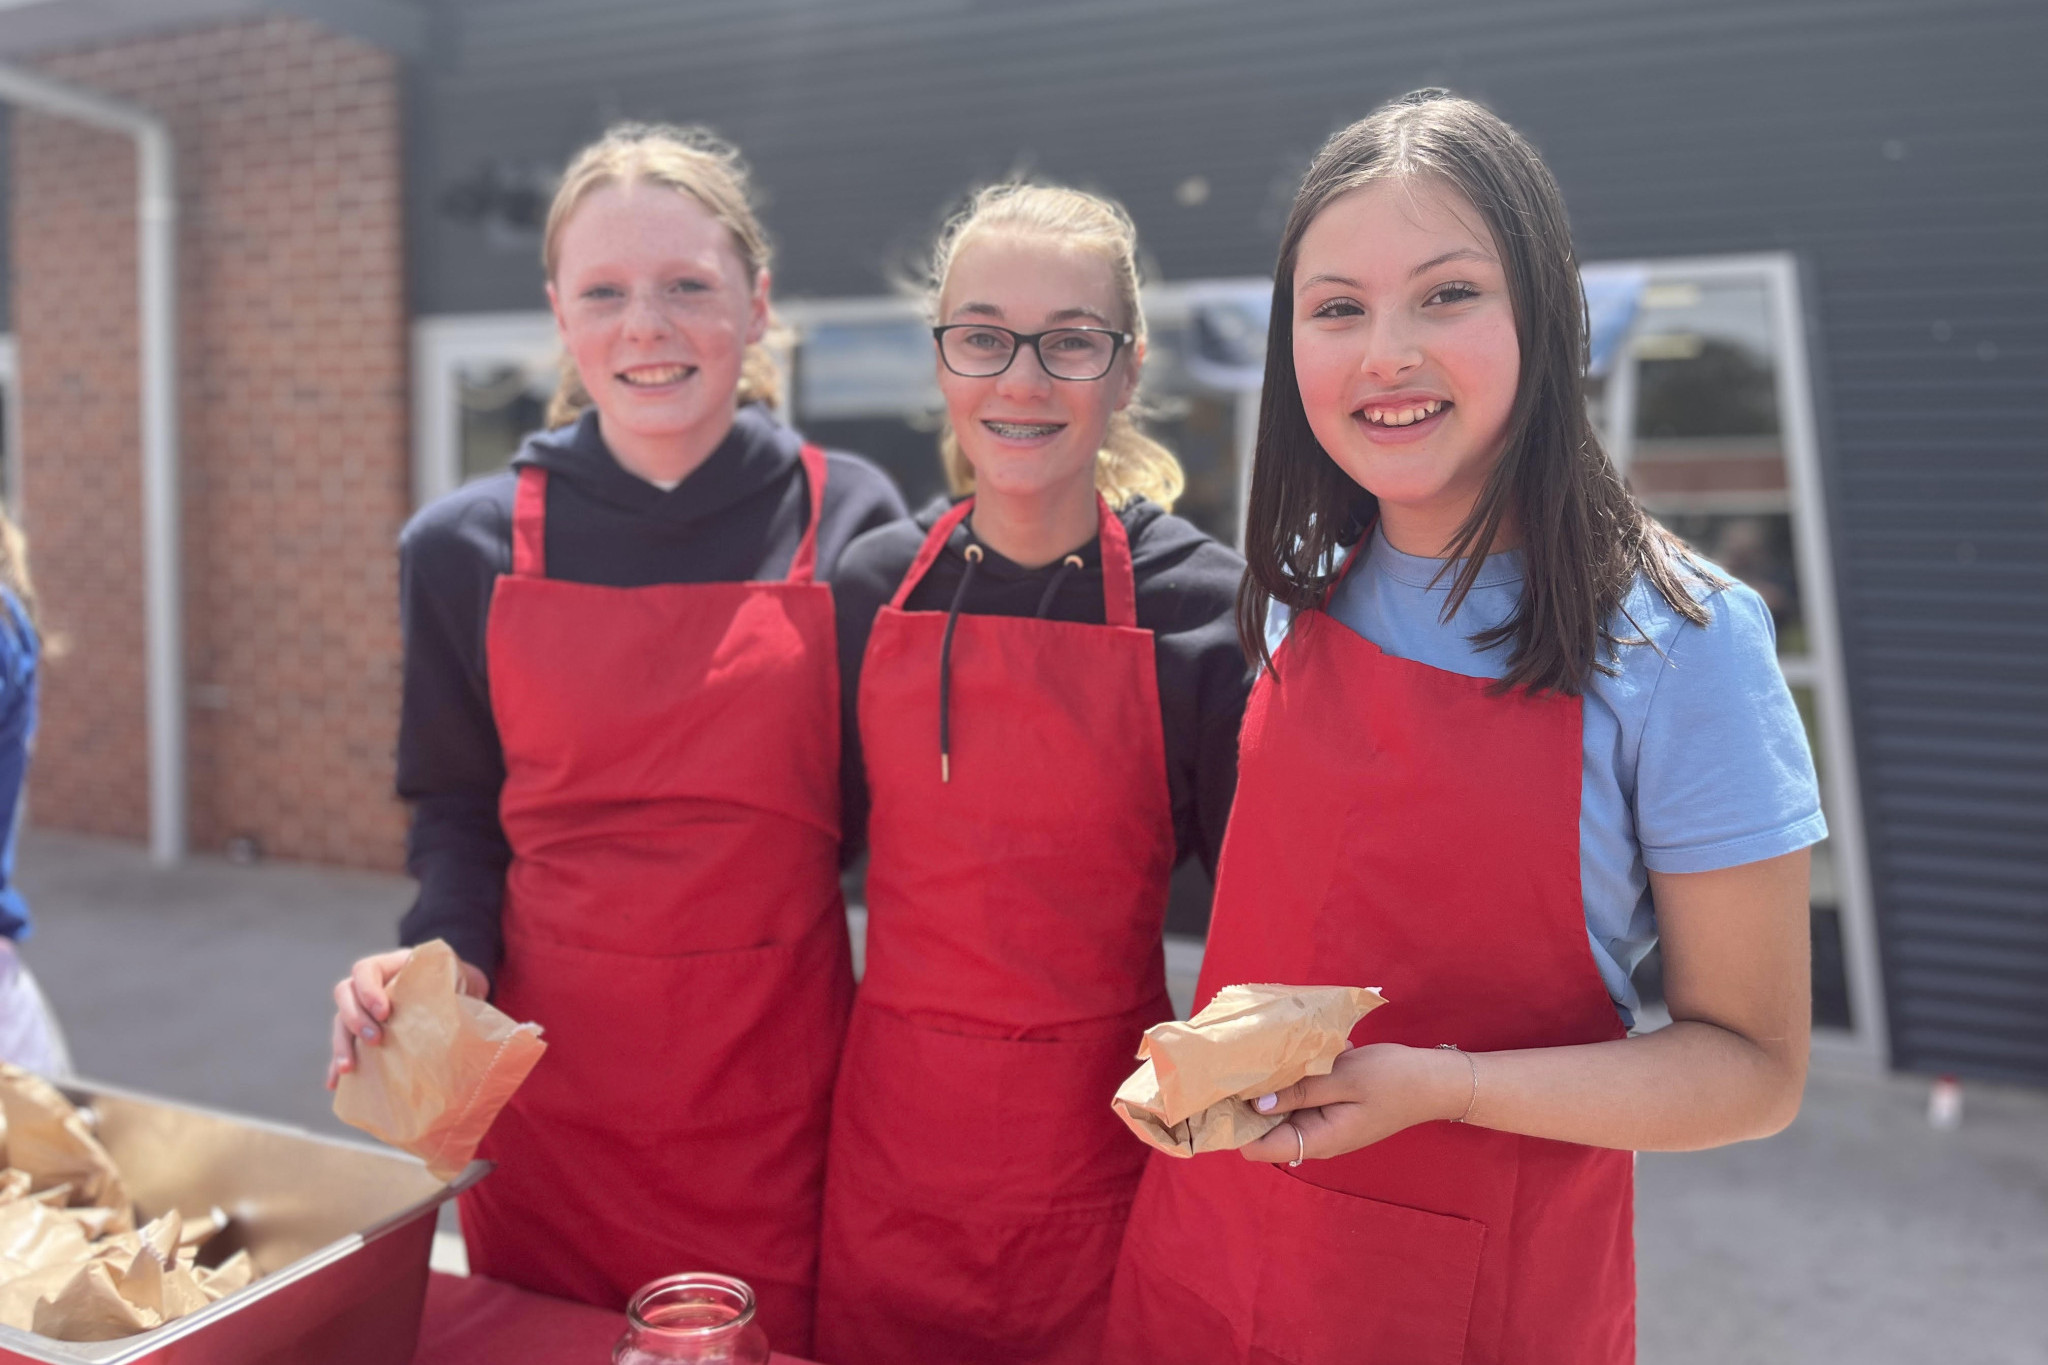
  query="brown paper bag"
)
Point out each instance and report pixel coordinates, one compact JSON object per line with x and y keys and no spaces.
{"x":34,"y":1235}
{"x":132,"y":1283}
{"x":224,"y":1279}
{"x":89,"y":1307}
{"x":447,"y":1065}
{"x":82,"y":1272}
{"x":1192,"y":1092}
{"x":50,"y":1139}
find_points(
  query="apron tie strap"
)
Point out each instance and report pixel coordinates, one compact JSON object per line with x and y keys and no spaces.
{"x":974,"y":557}
{"x":803,"y":566}
{"x":529,"y":523}
{"x":1119,"y":581}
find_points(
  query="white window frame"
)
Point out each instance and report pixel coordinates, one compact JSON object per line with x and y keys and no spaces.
{"x":441,"y":347}
{"x":1866,"y":1041}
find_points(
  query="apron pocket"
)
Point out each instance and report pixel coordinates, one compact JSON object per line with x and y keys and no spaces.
{"x":1354,"y":1281}
{"x":1006,"y":1129}
{"x":668,"y":1044}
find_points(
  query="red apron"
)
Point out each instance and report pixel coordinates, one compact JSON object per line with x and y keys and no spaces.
{"x":979,"y":1180}
{"x":673,"y":919}
{"x":1398,"y":826}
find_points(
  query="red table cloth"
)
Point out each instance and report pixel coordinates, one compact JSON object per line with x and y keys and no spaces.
{"x":471,"y":1320}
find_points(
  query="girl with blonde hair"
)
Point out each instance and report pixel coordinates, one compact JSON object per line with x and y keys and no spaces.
{"x":620,"y":739}
{"x":1045,"y":686}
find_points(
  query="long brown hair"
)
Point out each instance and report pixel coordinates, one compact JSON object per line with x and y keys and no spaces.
{"x":1584,"y":538}
{"x":692,"y":161}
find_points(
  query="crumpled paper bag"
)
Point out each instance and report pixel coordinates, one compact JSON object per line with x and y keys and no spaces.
{"x":447,"y":1065}
{"x":49,"y":1138}
{"x":131,"y":1283}
{"x":82,"y":1272}
{"x":1192,"y":1093}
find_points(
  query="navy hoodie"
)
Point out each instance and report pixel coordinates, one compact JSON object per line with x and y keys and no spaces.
{"x":739,"y":516}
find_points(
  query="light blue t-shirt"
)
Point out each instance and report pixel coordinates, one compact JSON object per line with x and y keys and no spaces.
{"x":1695,"y":758}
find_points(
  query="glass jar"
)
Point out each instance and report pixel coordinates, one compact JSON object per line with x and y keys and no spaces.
{"x":700,"y":1318}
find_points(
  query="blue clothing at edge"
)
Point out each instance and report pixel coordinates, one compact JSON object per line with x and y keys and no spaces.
{"x":20,"y":652}
{"x":1695,"y":758}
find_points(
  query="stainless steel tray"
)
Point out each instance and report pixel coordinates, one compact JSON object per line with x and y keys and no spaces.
{"x":340,"y":1233}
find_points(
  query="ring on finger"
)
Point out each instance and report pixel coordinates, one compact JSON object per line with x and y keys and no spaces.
{"x":1300,"y":1146}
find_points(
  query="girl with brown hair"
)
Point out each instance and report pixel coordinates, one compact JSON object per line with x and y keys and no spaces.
{"x":620,"y":739}
{"x":1508,"y":734}
{"x":1045,"y":684}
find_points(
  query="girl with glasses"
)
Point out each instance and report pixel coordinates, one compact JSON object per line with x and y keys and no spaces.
{"x":1046,"y":688}
{"x":620,"y":739}
{"x":1508,"y":734}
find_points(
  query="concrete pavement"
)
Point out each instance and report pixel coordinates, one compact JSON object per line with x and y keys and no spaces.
{"x":1859,"y":1235}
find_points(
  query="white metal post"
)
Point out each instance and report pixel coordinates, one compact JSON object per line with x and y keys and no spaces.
{"x":157,"y":234}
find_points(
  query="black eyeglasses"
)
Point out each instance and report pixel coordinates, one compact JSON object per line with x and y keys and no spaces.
{"x":979,"y":350}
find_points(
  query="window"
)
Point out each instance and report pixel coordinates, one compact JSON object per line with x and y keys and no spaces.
{"x":480,"y":384}
{"x":1706,"y":407}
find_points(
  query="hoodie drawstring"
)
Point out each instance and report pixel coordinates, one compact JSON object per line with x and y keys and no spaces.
{"x":973,"y":556}
{"x":1053,"y":585}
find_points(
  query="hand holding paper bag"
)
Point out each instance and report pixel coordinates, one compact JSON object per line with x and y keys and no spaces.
{"x":1192,"y":1093}
{"x":447,"y":1065}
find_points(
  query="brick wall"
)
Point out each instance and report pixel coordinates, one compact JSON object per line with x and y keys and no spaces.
{"x":293,"y":336}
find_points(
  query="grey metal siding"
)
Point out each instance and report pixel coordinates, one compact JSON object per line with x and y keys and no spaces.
{"x":1899,"y":149}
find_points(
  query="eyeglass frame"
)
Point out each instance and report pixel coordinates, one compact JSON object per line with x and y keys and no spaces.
{"x":1019,"y":340}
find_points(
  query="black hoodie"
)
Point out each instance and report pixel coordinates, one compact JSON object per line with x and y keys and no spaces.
{"x":1187,"y":592}
{"x":739,"y":516}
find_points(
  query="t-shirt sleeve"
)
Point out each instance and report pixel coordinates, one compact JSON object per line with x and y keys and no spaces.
{"x":1724,"y":776}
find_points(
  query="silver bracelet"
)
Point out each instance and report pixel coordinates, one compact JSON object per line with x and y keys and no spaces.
{"x":1471,"y":1062}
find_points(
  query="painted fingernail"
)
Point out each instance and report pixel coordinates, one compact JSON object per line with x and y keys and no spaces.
{"x":1264,"y":1103}
{"x":369,"y":1031}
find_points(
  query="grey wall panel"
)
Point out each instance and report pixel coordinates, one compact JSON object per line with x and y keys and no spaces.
{"x":1898,"y":149}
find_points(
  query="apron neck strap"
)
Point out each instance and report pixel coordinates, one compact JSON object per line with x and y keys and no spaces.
{"x":928,"y":552}
{"x":804,"y":567}
{"x":529,"y":523}
{"x":1119,"y":582}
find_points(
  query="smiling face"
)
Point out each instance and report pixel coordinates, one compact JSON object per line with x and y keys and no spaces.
{"x":1024,"y":432}
{"x":1405,"y":352}
{"x":657,"y":308}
